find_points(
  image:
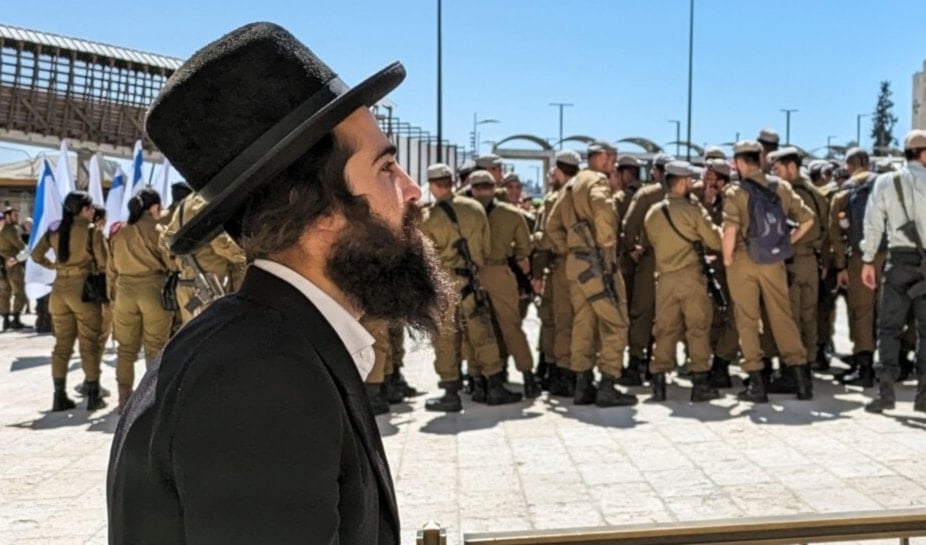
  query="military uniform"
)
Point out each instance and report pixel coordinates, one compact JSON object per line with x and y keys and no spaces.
{"x":139,"y":267}
{"x":73,"y":318}
{"x":556,"y":307}
{"x":682,"y":303}
{"x":826,"y":312}
{"x":752,"y":283}
{"x":628,"y":266}
{"x":598,"y":322}
{"x":13,"y":282}
{"x":221,"y":257}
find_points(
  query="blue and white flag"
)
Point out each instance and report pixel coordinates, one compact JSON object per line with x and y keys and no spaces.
{"x":114,"y":200}
{"x":163,"y":185}
{"x":95,"y":186}
{"x":136,"y":178}
{"x":63,"y":177}
{"x":46,"y":214}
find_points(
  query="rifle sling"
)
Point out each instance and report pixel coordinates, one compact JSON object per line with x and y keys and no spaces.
{"x":664,"y":207}
{"x":199,"y":269}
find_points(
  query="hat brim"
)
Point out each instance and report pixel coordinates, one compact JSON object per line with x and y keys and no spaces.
{"x":277,"y":149}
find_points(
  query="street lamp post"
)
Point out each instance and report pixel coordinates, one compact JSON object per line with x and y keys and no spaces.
{"x":788,"y":125}
{"x":690,"y":73}
{"x":829,"y":148}
{"x":561,"y":105}
{"x":858,"y":128}
{"x":440,"y":98}
{"x":474,"y":137}
{"x":678,"y":134}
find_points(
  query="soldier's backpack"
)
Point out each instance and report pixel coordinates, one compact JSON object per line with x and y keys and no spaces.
{"x":768,"y":237}
{"x":855,"y":212}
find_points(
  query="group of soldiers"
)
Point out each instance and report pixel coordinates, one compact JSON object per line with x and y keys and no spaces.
{"x":740,"y":258}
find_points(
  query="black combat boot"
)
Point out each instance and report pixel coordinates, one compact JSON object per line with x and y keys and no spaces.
{"x":448,"y":403}
{"x":719,"y":376}
{"x":377,"y":399}
{"x":849,"y":374}
{"x":659,"y":387}
{"x":6,"y":322}
{"x":755,"y":391}
{"x":531,"y":387}
{"x":565,"y":385}
{"x":392,"y":389}
{"x":548,"y":383}
{"x":919,"y":404}
{"x":864,"y":374}
{"x":585,"y":388}
{"x":632,"y":374}
{"x":608,"y":395}
{"x":822,"y":361}
{"x":407,"y":389}
{"x":15,"y":324}
{"x":803,"y":381}
{"x":701,"y":389}
{"x":886,"y":399}
{"x":480,"y":389}
{"x":94,"y":399}
{"x":497,"y":394}
{"x":543,"y":372}
{"x":81,"y":390}
{"x":783,"y":383}
{"x":61,"y":402}
{"x":907,"y":364}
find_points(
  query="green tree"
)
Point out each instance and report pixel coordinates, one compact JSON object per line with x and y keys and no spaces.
{"x":883,"y":121}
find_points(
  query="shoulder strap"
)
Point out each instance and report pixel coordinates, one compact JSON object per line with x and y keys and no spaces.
{"x":899,"y":189}
{"x":96,"y":266}
{"x":809,"y":192}
{"x":191,"y":255}
{"x":664,"y":207}
{"x":445,"y":206}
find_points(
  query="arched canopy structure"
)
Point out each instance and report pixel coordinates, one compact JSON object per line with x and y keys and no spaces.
{"x":698,"y":150}
{"x":541,"y":143}
{"x":646,"y":144}
{"x":577,"y":138}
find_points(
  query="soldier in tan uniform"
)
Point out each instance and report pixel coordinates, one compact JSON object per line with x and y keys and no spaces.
{"x":139,"y":266}
{"x":510,"y":239}
{"x":804,"y":268}
{"x":642,"y":304}
{"x":178,"y":192}
{"x":628,"y":174}
{"x":583,"y":225}
{"x":382,"y":364}
{"x":79,"y":250}
{"x":683,"y":308}
{"x":221,"y":258}
{"x":514,"y":193}
{"x":13,"y":282}
{"x":826,"y":312}
{"x":769,"y":140}
{"x":556,"y":307}
{"x":752,"y":282}
{"x":470,"y":225}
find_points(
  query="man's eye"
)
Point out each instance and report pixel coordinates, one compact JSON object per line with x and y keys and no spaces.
{"x":389,"y":166}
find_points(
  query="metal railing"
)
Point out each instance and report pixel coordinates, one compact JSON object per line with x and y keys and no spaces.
{"x":801,"y":529}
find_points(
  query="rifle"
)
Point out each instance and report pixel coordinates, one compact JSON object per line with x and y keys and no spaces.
{"x":714,"y":289}
{"x":483,"y":308}
{"x":525,"y":289}
{"x":597,"y":267}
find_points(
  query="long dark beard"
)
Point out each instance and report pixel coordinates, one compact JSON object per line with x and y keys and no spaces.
{"x":391,"y":275}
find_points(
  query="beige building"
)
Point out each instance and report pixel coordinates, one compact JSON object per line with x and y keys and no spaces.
{"x":919,"y":99}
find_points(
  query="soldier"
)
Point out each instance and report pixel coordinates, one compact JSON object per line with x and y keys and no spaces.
{"x":724,"y":338}
{"x":513,"y":192}
{"x":805,"y":266}
{"x":713,"y":152}
{"x":178,"y":192}
{"x":583,"y":222}
{"x":643,"y":297}
{"x":12,"y":252}
{"x":139,"y":267}
{"x":826,"y":312}
{"x":221,"y":263}
{"x":892,"y":211}
{"x":466,"y":168}
{"x":466,"y":222}
{"x":756,"y":241}
{"x":769,"y":139}
{"x":628,"y":174}
{"x":79,"y":250}
{"x":510,"y":242}
{"x":382,"y":363}
{"x":556,"y":304}
{"x":679,"y":229}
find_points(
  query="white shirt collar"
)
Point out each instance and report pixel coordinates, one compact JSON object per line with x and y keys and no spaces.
{"x":356,"y":339}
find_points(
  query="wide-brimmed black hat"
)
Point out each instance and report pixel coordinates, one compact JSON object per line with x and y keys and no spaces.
{"x":241,"y":110}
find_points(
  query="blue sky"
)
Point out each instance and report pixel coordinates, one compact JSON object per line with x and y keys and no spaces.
{"x":622,"y":63}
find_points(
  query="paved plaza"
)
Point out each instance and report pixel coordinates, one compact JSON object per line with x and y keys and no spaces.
{"x":540,"y":464}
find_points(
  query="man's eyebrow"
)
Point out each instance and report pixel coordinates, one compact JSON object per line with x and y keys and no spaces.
{"x":388,"y":150}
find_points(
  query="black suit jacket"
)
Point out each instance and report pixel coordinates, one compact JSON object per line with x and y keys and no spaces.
{"x":254,"y":428}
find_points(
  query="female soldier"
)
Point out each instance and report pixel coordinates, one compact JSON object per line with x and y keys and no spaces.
{"x":140,"y":267}
{"x":99,"y":220}
{"x":79,"y":251}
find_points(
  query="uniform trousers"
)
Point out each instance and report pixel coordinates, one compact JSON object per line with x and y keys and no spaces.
{"x":683,"y":311}
{"x":804,"y":295}
{"x":502,"y":287}
{"x":476,"y":330}
{"x":725,"y":342}
{"x":642,"y":305}
{"x":139,"y":321}
{"x":14,"y":286}
{"x":74,"y":319}
{"x":862,"y":303}
{"x":750,"y":283}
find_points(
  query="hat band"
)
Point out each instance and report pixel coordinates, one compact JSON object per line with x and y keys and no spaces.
{"x":258,"y":153}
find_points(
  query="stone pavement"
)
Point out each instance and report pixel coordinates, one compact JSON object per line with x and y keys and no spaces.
{"x":540,"y":464}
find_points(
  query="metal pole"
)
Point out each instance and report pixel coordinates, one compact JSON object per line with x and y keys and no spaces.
{"x":678,"y":134}
{"x":690,"y":70}
{"x":788,"y":125}
{"x":440,"y":115}
{"x":858,"y":129}
{"x":561,"y":105}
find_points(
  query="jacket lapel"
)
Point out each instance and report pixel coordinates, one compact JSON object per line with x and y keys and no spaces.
{"x":270,"y":290}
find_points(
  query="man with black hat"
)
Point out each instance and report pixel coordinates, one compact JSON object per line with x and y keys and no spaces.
{"x":896,"y":210}
{"x":254,"y":426}
{"x":805,"y":264}
{"x":756,"y":242}
{"x":674,"y":227}
{"x":12,"y":250}
{"x":769,"y":140}
{"x":642,"y":304}
{"x":556,"y":306}
{"x":583,"y":222}
{"x":451,"y":221}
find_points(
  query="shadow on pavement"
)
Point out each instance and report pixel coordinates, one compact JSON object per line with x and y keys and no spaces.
{"x":612,"y":417}
{"x":104,"y":420}
{"x":476,"y":416}
{"x":20,"y":364}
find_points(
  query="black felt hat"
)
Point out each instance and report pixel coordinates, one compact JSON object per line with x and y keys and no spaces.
{"x":241,"y":110}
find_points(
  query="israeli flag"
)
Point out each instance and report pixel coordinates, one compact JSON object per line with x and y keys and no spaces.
{"x":95,"y":187}
{"x":114,"y":206}
{"x":130,"y":190}
{"x":63,"y":178}
{"x":46,"y":214}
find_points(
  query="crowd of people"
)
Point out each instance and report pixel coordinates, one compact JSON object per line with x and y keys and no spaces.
{"x":740,"y":258}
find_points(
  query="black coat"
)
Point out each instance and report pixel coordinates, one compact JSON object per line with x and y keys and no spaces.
{"x":254,"y":428}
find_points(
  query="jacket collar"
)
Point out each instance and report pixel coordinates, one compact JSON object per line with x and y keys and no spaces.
{"x":266,"y":289}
